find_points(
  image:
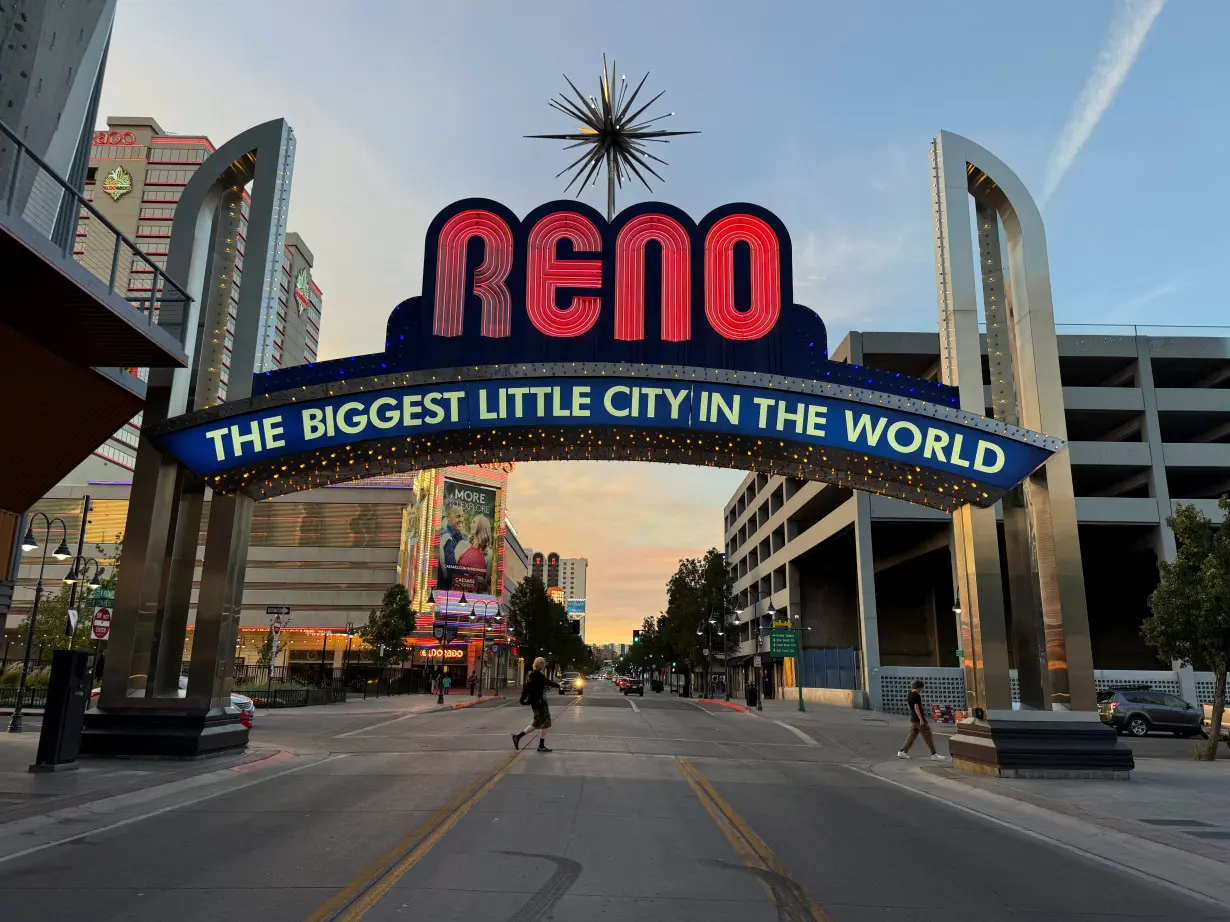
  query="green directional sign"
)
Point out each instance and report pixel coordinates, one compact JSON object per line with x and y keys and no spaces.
{"x":783,"y":642}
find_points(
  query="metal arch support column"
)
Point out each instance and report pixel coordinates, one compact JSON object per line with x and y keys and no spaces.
{"x":976,"y":539}
{"x":154,"y":591}
{"x":1048,"y":592}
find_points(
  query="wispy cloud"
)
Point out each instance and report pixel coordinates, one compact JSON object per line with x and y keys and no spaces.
{"x":1127,"y":35}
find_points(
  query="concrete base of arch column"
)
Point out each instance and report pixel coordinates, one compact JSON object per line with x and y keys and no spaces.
{"x":1040,"y":744}
{"x":157,"y":733}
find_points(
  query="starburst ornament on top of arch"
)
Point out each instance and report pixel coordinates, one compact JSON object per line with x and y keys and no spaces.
{"x":613,"y":133}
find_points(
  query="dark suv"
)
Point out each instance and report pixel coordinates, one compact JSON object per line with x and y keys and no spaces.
{"x":633,"y":687}
{"x":1139,"y":709}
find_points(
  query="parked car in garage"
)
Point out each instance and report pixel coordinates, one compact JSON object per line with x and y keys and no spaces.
{"x":1140,"y":709}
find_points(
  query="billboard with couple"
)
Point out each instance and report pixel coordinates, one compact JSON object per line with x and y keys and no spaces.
{"x":467,"y":555}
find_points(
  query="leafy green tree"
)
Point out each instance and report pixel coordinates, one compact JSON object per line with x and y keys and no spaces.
{"x":388,"y":625}
{"x":265,"y":653}
{"x":1190,"y":608}
{"x":700,"y":590}
{"x":540,"y":627}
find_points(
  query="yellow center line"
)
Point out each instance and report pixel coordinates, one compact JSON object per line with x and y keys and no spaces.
{"x":356,"y":899}
{"x":754,"y":851}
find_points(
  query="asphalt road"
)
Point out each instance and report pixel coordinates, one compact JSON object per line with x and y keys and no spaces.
{"x":655,"y":808}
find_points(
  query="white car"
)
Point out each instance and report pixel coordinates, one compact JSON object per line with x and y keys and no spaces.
{"x":242,"y":702}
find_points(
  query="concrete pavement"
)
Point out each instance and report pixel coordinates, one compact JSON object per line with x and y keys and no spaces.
{"x":654,"y":808}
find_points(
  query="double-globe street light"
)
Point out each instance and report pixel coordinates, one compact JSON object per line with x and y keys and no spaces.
{"x":92,"y":584}
{"x":442,"y":633}
{"x":486,"y":619}
{"x":757,"y":673}
{"x":720,"y":631}
{"x":60,"y":553}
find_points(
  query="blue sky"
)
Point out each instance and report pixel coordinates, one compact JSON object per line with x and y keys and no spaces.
{"x":821,"y":112}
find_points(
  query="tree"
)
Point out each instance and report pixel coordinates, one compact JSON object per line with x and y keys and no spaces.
{"x":388,"y":625}
{"x":539,"y":627}
{"x":700,"y":590}
{"x":1190,"y":608}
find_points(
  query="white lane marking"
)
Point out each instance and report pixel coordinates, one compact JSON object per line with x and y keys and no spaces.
{"x":797,"y":732}
{"x":633,"y":703}
{"x":161,"y":810}
{"x":383,"y":723}
{"x":1103,"y":835}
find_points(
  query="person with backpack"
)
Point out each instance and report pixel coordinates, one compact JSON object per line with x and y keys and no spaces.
{"x":533,"y":694}
{"x":918,"y":724}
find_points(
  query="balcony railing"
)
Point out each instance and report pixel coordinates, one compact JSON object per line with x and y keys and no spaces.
{"x":32,"y":191}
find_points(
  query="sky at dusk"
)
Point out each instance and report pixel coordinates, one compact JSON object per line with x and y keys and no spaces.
{"x":820,"y":111}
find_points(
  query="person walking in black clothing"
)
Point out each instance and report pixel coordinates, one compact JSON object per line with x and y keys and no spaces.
{"x":918,"y":724}
{"x":536,"y":683}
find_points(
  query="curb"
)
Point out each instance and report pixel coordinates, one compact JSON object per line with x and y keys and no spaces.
{"x":725,"y":704}
{"x":469,"y":704}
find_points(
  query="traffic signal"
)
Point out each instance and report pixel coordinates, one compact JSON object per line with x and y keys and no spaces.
{"x":636,"y":636}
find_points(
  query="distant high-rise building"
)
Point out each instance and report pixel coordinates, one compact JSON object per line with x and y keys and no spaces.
{"x":572,"y":572}
{"x":136,"y":174}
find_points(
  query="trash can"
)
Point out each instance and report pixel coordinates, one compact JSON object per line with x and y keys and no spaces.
{"x":751,"y":695}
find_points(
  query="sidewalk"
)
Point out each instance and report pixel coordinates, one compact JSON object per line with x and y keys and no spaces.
{"x":24,"y":794}
{"x":1171,"y":821}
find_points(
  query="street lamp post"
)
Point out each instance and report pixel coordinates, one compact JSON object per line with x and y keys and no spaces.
{"x":60,"y":553}
{"x":725,"y":659}
{"x":798,"y":660}
{"x":324,"y":651}
{"x":72,"y":579}
{"x":757,"y":671}
{"x":482,"y":650}
{"x":443,"y":636}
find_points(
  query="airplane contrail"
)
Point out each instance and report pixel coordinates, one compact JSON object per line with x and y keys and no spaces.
{"x":1127,"y":34}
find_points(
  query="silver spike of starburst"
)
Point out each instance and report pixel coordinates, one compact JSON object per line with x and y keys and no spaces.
{"x":613,"y":135}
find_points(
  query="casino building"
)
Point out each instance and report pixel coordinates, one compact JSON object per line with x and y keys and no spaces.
{"x":327,"y":554}
{"x":872,"y":577}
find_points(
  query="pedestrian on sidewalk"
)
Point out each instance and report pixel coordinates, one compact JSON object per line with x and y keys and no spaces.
{"x":533,"y":694}
{"x":918,"y":724}
{"x":448,"y":682}
{"x":473,"y":682}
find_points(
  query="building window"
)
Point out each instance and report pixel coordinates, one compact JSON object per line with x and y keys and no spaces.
{"x":176,"y":154}
{"x":168,"y":177}
{"x":161,"y":195}
{"x":154,"y":229}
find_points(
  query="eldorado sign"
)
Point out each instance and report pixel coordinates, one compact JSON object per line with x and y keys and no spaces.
{"x":532,"y":337}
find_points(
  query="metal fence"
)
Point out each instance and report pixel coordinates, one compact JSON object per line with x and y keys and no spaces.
{"x":33,"y":698}
{"x":32,"y":191}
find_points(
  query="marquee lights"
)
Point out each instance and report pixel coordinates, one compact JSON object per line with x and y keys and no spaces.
{"x":490,"y":277}
{"x":546,"y":274}
{"x":630,"y":278}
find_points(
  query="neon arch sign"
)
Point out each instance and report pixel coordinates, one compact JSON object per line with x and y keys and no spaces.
{"x":560,"y":335}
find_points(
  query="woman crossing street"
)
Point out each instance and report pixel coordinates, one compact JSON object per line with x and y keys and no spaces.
{"x":536,"y":683}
